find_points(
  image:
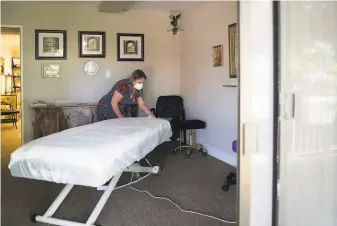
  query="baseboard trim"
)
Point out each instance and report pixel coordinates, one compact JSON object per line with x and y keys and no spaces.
{"x":225,"y":156}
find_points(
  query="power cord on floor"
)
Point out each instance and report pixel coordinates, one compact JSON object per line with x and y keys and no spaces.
{"x":167,"y":199}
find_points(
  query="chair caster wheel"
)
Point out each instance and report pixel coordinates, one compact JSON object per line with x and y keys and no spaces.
{"x":204,"y":153}
{"x":187,"y":156}
{"x":33,"y":218}
{"x":174,"y":152}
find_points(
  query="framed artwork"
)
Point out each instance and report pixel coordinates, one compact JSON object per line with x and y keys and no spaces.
{"x":233,"y":50}
{"x":11,"y":99}
{"x":51,"y":70}
{"x":50,"y":44}
{"x":130,"y":47}
{"x":91,"y":44}
{"x":217,"y":56}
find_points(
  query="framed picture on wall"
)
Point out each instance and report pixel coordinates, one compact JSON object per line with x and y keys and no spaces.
{"x":130,"y":47}
{"x":233,"y":50}
{"x":217,"y":56}
{"x":51,"y":70}
{"x":50,"y":44}
{"x":91,"y":44}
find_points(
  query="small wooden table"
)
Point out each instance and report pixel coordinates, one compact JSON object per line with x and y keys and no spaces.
{"x":13,"y":119}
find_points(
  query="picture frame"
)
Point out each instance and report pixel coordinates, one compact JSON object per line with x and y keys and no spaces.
{"x":92,"y":44}
{"x":130,"y":47}
{"x":233,"y":50}
{"x":51,"y":70}
{"x":217,"y":54}
{"x":50,"y":44}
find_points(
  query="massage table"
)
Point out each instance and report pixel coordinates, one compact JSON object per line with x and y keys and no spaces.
{"x":89,"y":155}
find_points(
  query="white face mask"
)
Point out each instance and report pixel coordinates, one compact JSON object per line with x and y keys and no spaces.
{"x":138,"y":86}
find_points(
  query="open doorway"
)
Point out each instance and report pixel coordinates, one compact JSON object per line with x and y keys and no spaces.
{"x":10,"y":88}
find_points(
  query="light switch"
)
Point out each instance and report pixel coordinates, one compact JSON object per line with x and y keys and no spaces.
{"x":108,"y":74}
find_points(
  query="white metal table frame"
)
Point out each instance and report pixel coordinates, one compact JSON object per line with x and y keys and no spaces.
{"x":48,"y":219}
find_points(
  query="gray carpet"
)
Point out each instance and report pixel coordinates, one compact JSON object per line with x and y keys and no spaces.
{"x":193,"y":183}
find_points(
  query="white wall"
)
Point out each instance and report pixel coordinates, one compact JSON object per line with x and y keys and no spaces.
{"x":201,"y":83}
{"x":161,"y":53}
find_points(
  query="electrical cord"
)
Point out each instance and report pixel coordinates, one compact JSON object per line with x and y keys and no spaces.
{"x":167,"y":199}
{"x":181,"y":209}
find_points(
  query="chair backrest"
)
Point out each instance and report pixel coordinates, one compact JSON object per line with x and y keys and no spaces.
{"x":169,"y":106}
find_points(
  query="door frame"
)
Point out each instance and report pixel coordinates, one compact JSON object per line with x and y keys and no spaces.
{"x":276,"y":109}
{"x":274,"y":119}
{"x":22,"y":77}
{"x":238,"y":145}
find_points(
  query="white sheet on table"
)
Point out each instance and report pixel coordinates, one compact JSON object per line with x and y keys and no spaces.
{"x":89,"y":155}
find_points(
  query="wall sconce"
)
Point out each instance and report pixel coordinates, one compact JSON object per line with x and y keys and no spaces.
{"x":175,"y":26}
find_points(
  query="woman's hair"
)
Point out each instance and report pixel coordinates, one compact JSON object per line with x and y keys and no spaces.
{"x":137,"y":74}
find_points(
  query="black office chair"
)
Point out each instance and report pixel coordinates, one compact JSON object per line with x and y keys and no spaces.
{"x":171,"y":108}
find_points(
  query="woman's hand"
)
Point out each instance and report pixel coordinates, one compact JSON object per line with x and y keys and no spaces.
{"x":143,"y":107}
{"x":151,"y":116}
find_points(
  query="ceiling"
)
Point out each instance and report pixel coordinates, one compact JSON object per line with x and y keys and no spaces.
{"x":122,"y":6}
{"x":167,"y":5}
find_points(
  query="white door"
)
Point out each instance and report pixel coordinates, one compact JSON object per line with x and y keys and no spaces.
{"x":256,"y":101}
{"x":308,"y":120}
{"x":304,"y":57}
